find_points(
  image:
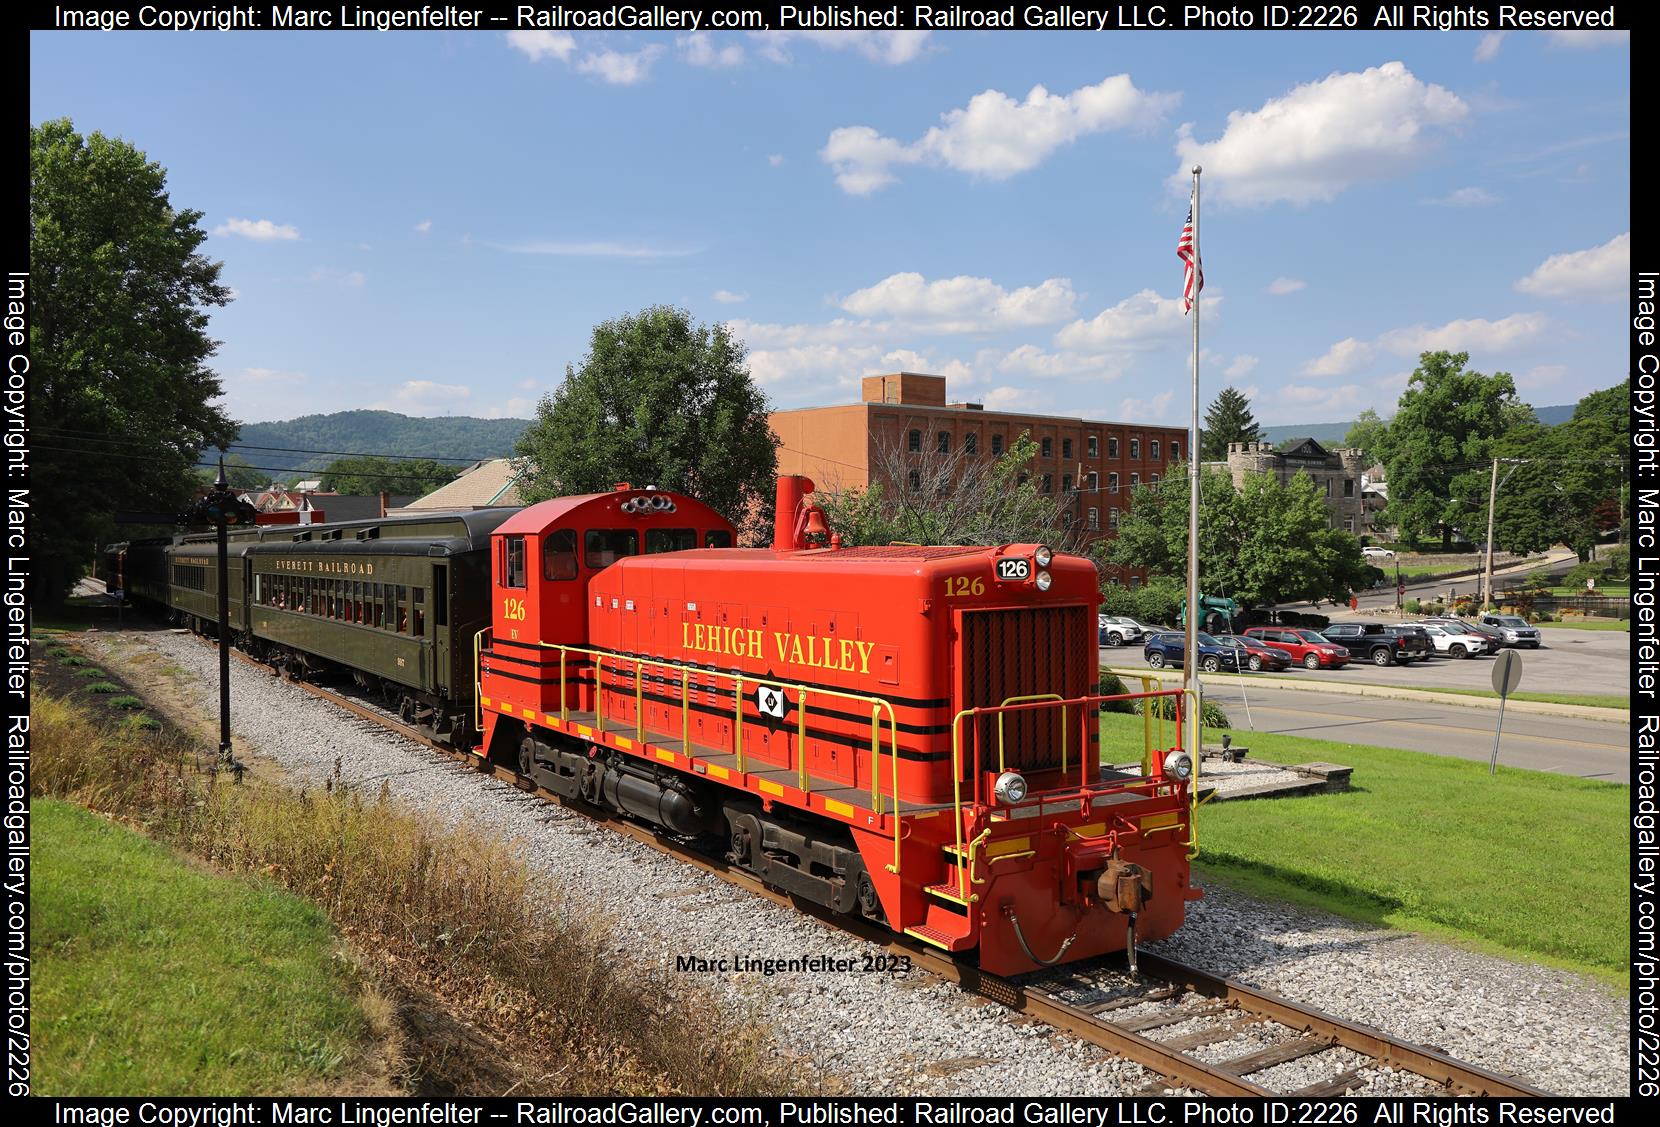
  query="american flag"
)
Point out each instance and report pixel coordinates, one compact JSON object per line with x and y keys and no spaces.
{"x":1184,"y":251}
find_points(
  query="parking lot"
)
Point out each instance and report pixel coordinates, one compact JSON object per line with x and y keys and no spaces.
{"x":1568,"y":661}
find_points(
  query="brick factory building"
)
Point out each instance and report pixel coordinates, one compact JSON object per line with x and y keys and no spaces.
{"x":1095,"y":463}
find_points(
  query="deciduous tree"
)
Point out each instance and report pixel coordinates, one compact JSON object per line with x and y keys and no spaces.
{"x":1367,"y":434}
{"x":657,"y":401}
{"x":367,"y":475}
{"x":118,"y":313}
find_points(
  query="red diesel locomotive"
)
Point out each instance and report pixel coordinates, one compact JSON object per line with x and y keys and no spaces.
{"x":907,"y":733}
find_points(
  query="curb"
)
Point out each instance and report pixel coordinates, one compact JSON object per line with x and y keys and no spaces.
{"x":1575,"y":711}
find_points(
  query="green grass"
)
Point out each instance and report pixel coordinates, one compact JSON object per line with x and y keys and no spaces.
{"x":154,"y":976}
{"x":1527,"y":863}
{"x":1590,"y":700}
{"x":126,"y":701}
{"x":91,"y":671}
{"x":1612,"y":590}
{"x":103,"y":687}
{"x":1587,"y":624}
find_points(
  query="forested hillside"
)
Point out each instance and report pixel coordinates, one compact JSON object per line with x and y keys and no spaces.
{"x":272,"y":446}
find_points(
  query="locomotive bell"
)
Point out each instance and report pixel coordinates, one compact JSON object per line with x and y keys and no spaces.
{"x":815,"y":522}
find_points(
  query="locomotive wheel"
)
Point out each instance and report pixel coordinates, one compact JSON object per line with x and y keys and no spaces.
{"x":527,"y":756}
{"x":869,"y":903}
{"x":406,"y":710}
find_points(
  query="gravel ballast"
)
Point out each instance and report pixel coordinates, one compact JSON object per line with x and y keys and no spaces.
{"x":909,"y":1033}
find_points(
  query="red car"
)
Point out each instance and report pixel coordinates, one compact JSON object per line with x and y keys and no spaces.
{"x":1304,"y":646}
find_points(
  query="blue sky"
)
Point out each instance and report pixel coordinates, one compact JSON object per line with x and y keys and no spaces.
{"x":433,"y":222}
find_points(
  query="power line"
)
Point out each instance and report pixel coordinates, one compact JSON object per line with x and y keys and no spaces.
{"x":94,"y":436}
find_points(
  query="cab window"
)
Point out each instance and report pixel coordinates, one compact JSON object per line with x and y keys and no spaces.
{"x":513,"y":562}
{"x":670,"y":540}
{"x":717,"y":538}
{"x":559,"y":554}
{"x":602,"y":547}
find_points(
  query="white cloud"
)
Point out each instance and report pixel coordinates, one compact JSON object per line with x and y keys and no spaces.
{"x":1349,"y":398}
{"x":776,"y":160}
{"x":1322,"y":138}
{"x":259,"y":230}
{"x":1488,"y":47}
{"x":1241,"y":367}
{"x":1011,"y":399}
{"x":727,"y":297}
{"x":1600,"y":273}
{"x":331,"y":275}
{"x":838,"y":332}
{"x":424,"y":226}
{"x":1340,"y":359}
{"x":518,"y":407}
{"x":962,"y":304}
{"x":418,"y":397}
{"x":1031,"y":360}
{"x":1279,"y":287}
{"x":620,"y":68}
{"x":1472,"y":335}
{"x":527,"y":385}
{"x":1141,"y":319}
{"x":270,"y":376}
{"x":891,"y":47}
{"x":1589,"y":39}
{"x":1541,"y":375}
{"x":700,"y":50}
{"x":1466,"y":197}
{"x":1153,"y":410}
{"x":994,"y":136}
{"x":539,"y":45}
{"x":598,"y":249}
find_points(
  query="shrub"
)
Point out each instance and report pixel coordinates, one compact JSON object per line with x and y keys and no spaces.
{"x":89,"y":671}
{"x":74,"y":659}
{"x":59,"y":651}
{"x":126,"y":701}
{"x":1579,"y":576}
{"x":1165,"y":707}
{"x":142,"y":722}
{"x":104,"y":687}
{"x":1618,"y":559}
{"x":1413,"y":606}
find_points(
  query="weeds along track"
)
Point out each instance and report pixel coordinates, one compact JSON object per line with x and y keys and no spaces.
{"x":1170,"y":1018}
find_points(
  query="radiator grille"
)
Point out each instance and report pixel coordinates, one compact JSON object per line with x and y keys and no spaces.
{"x":1023,"y":652}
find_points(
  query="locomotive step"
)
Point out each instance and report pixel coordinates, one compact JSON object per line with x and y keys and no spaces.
{"x":947,"y":890}
{"x":938,"y":938}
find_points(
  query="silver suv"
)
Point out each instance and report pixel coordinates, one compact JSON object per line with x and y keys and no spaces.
{"x":1513,"y":629}
{"x":1116,"y":631}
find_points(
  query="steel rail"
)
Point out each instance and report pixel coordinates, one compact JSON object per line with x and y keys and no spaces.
{"x":1181,"y":1069}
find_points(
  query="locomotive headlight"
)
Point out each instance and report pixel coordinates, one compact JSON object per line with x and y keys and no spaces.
{"x":1010,"y":788}
{"x":1043,"y":580}
{"x":1178,"y":764}
{"x":1043,"y":555}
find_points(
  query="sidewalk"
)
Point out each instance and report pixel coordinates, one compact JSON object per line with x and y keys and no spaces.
{"x":1392,"y":692}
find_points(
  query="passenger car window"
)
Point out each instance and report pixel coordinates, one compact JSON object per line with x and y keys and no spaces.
{"x":602,"y":547}
{"x":670,"y":540}
{"x":559,"y":554}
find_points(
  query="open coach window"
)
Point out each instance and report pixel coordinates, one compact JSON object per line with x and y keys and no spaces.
{"x":602,"y":547}
{"x":670,"y":540}
{"x":559,"y":554}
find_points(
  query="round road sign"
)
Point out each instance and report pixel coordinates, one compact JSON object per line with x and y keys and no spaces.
{"x":1507,"y":672}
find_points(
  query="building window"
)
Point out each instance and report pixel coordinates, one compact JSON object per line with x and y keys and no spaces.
{"x":1112,"y":519}
{"x":1048,"y":448}
{"x":1066,"y":519}
{"x":945,"y":442}
{"x":1092,"y":482}
{"x":1175,"y":451}
{"x":1023,"y":479}
{"x":1112,"y":483}
{"x":1153,"y":478}
{"x":1066,"y":483}
{"x":1135,"y":582}
{"x":1135,"y":480}
{"x":1348,"y":487}
{"x":1094,"y":446}
{"x":1348,"y":524}
{"x":914,"y":481}
{"x":1095,"y":518}
{"x":1155,"y":449}
{"x":1066,"y":448}
{"x":1328,"y":487}
{"x":1135,"y":447}
{"x":1112,"y":447}
{"x":914,"y":443}
{"x":971,"y":442}
{"x":996,"y":446}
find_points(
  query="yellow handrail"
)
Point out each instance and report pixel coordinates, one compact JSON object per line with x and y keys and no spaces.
{"x":801,"y":740}
{"x":478,"y":681}
{"x":1028,"y":700}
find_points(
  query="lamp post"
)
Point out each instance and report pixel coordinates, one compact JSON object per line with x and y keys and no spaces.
{"x":221,"y":508}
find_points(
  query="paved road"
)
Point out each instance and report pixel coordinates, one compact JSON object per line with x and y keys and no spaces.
{"x":1592,"y":749}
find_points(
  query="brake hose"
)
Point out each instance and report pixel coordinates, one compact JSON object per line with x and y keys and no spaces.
{"x":1059,"y":955}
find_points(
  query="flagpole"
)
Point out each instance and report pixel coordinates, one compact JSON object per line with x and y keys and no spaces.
{"x":1190,"y":666}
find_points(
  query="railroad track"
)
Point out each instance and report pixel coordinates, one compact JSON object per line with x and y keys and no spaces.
{"x":1119,"y":1013}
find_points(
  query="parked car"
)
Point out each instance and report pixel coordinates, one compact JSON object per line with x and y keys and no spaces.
{"x":1256,"y":655}
{"x":1513,"y":629}
{"x":1379,"y":644}
{"x":1304,"y":646}
{"x":1486,"y":635}
{"x":1375,"y":553}
{"x":1455,"y":639}
{"x":1116,"y":631}
{"x":1168,"y":647}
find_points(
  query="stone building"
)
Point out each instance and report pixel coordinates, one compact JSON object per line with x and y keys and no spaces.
{"x":1339,"y":474}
